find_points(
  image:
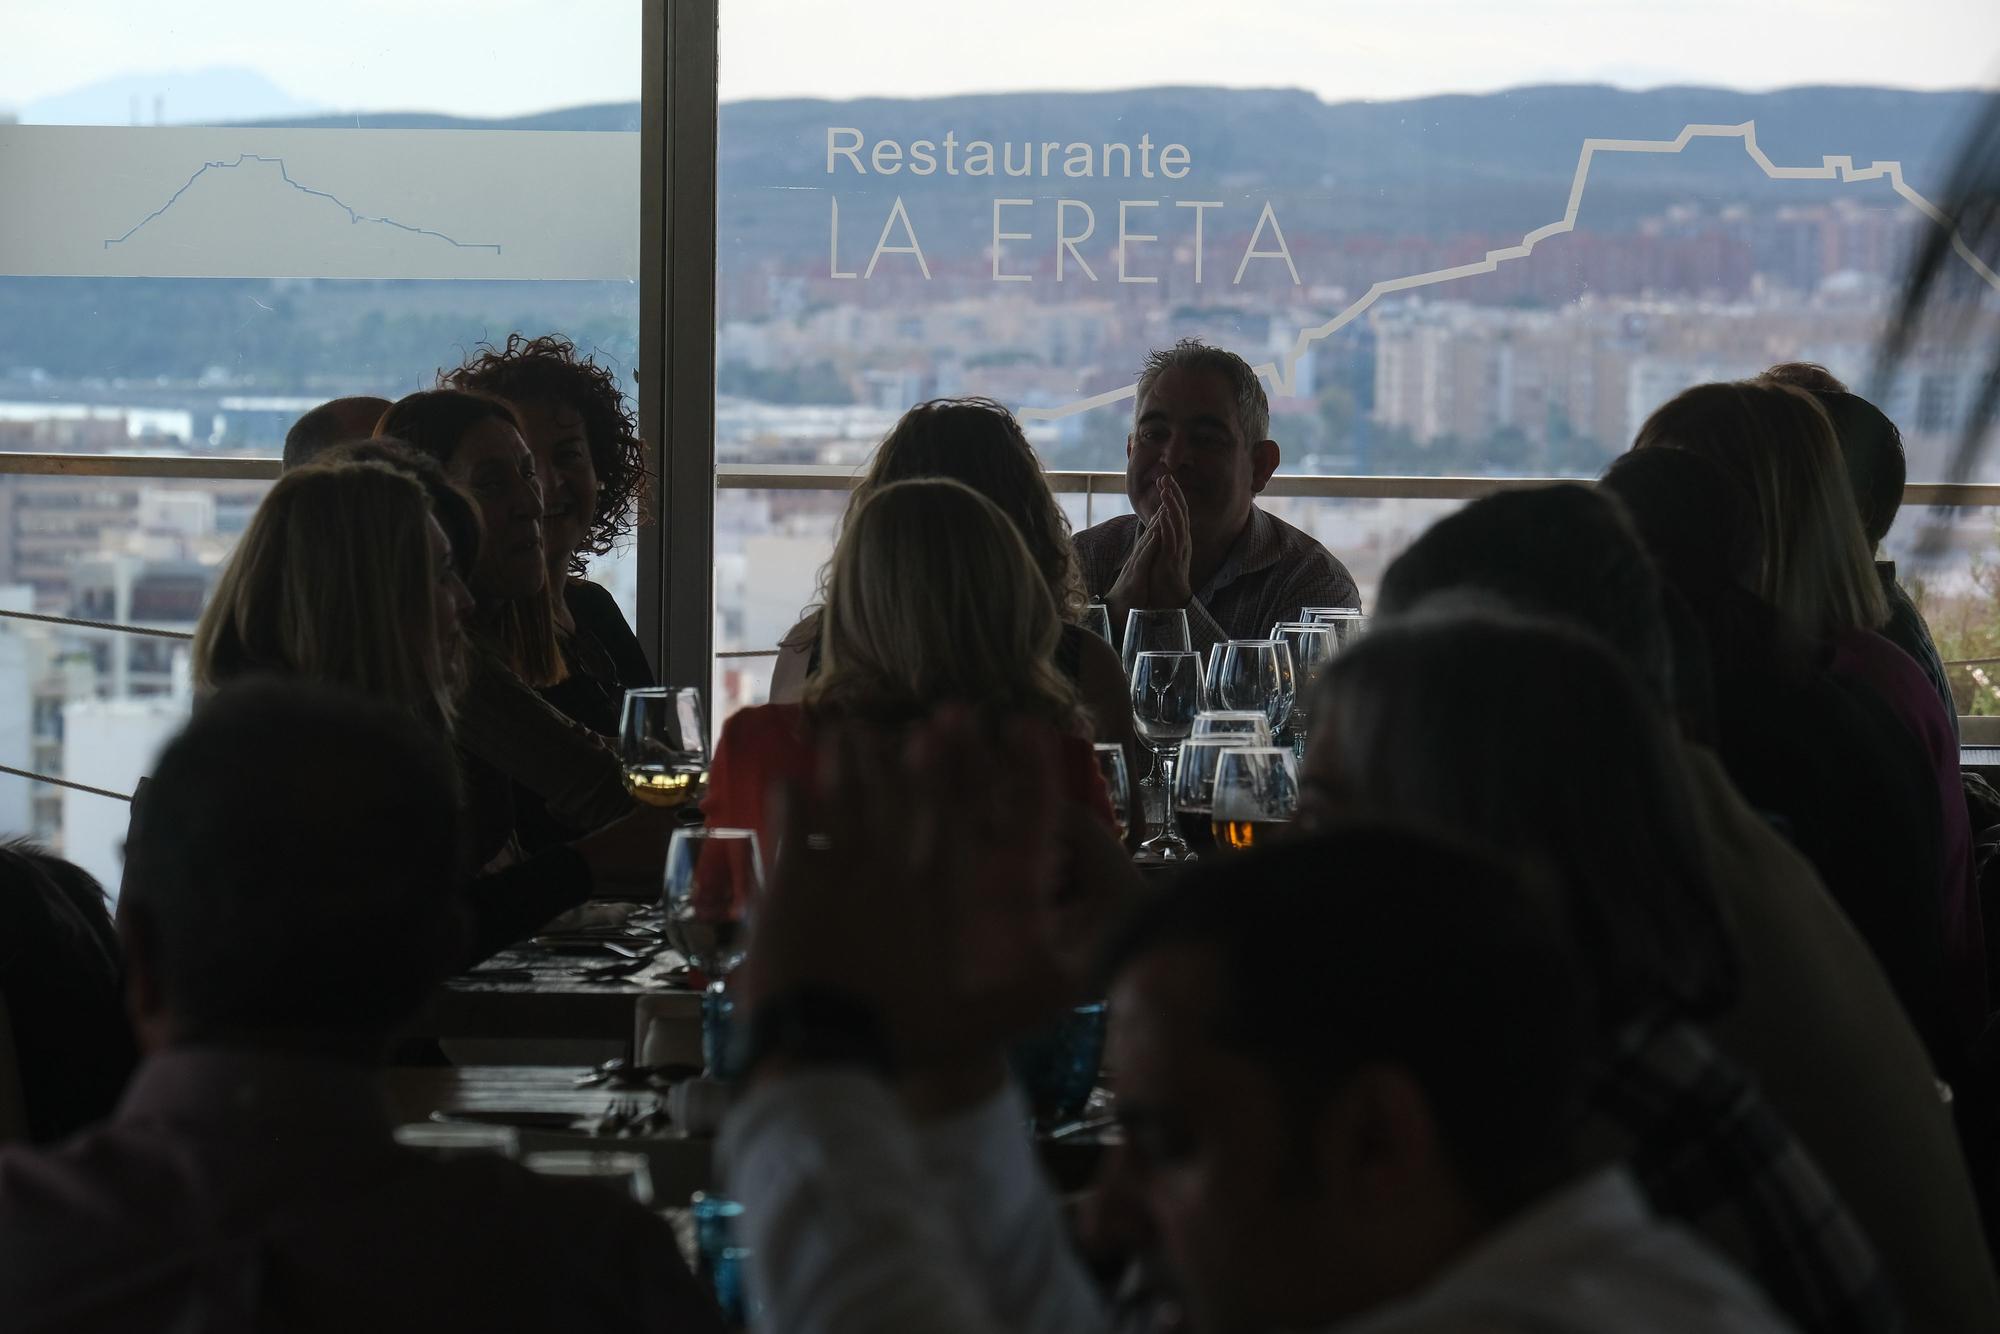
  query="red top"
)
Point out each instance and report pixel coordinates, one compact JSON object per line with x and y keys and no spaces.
{"x":772,"y":743}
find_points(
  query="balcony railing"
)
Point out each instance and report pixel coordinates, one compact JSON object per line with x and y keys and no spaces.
{"x":798,"y":477}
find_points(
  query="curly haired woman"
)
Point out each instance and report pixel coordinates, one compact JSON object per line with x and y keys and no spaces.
{"x":592,"y":466}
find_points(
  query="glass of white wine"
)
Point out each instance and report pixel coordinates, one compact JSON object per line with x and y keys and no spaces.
{"x":1256,"y":795}
{"x":663,"y":741}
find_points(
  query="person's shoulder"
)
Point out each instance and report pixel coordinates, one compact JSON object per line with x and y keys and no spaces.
{"x":1302,"y":549}
{"x":588,"y":594}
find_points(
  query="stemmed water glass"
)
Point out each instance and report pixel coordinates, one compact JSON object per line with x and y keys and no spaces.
{"x":1249,"y":724}
{"x":1256,"y":674}
{"x":1153,"y":632}
{"x":713,"y":880}
{"x":1166,"y":695}
{"x":1117,"y":783}
{"x":1256,"y":795}
{"x":663,"y":743}
{"x":1312,"y":647}
{"x":1347,"y":623}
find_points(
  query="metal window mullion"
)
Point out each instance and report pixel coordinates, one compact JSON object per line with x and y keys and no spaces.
{"x":677,"y":333}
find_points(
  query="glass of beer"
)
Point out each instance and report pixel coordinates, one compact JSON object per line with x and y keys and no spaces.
{"x":663,"y":740}
{"x":1256,"y":795}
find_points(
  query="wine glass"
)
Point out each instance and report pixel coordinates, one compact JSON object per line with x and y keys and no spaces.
{"x":1256,"y":674}
{"x":1194,"y":783}
{"x":1150,"y":632}
{"x":1256,"y":795}
{"x":1250,"y":724}
{"x":1097,"y":620}
{"x":1117,"y":782}
{"x":713,"y":880}
{"x":1312,"y":647}
{"x":1154,"y":632}
{"x":1347,"y":623}
{"x":1166,"y":695}
{"x":663,"y":741}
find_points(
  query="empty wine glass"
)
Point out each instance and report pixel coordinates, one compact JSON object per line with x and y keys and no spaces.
{"x":1153,"y":632}
{"x":663,"y":742}
{"x":1347,"y":623}
{"x":1117,"y":782}
{"x":1166,"y":695}
{"x":713,"y":880}
{"x":1097,"y":620}
{"x":1312,"y":647}
{"x":1256,"y":795}
{"x":1250,"y":724}
{"x":1256,"y":674}
{"x":1194,"y":785}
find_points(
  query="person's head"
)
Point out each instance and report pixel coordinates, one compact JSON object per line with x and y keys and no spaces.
{"x":291,"y":878}
{"x":1338,"y":1061}
{"x":1871,"y":449}
{"x":329,"y":424}
{"x":1807,"y":375}
{"x":1694,"y":519}
{"x":977,"y":441}
{"x":931,"y":598}
{"x":1777,"y":445}
{"x":477,"y":440}
{"x":451,"y":507}
{"x":1201,"y":417}
{"x":584,"y":436}
{"x":344,"y":577}
{"x":1563,"y":551}
{"x":1533,"y":737}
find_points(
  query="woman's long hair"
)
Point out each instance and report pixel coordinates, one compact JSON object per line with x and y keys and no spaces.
{"x":1534,"y":737}
{"x":1777,"y":446}
{"x":933,"y":597}
{"x":335,"y":581}
{"x":521,"y":631}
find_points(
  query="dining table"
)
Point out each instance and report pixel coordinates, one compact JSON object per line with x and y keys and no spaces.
{"x":584,"y":1107}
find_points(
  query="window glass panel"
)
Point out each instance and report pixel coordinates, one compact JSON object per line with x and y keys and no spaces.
{"x":1450,"y":247}
{"x":207,"y":228}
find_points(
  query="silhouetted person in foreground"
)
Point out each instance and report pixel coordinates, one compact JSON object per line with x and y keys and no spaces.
{"x":332,"y":423}
{"x":1346,"y":1068}
{"x":63,"y":1030}
{"x":290,"y":900}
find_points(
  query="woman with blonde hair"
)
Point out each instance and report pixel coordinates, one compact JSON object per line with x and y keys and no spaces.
{"x":346,"y":577}
{"x":1776,"y":444}
{"x":932,"y":599}
{"x":979,"y":443}
{"x":387,"y":605}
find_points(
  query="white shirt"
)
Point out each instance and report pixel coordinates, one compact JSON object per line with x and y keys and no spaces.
{"x":858,"y":1221}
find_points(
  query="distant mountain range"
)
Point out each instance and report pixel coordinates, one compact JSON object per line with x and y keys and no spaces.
{"x":1496,"y":162}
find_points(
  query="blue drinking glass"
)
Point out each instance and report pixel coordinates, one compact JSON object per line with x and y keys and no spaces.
{"x":1057,"y":1065}
{"x":721,"y":1262}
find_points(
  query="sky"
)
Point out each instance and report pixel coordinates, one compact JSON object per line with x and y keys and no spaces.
{"x":502,"y":57}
